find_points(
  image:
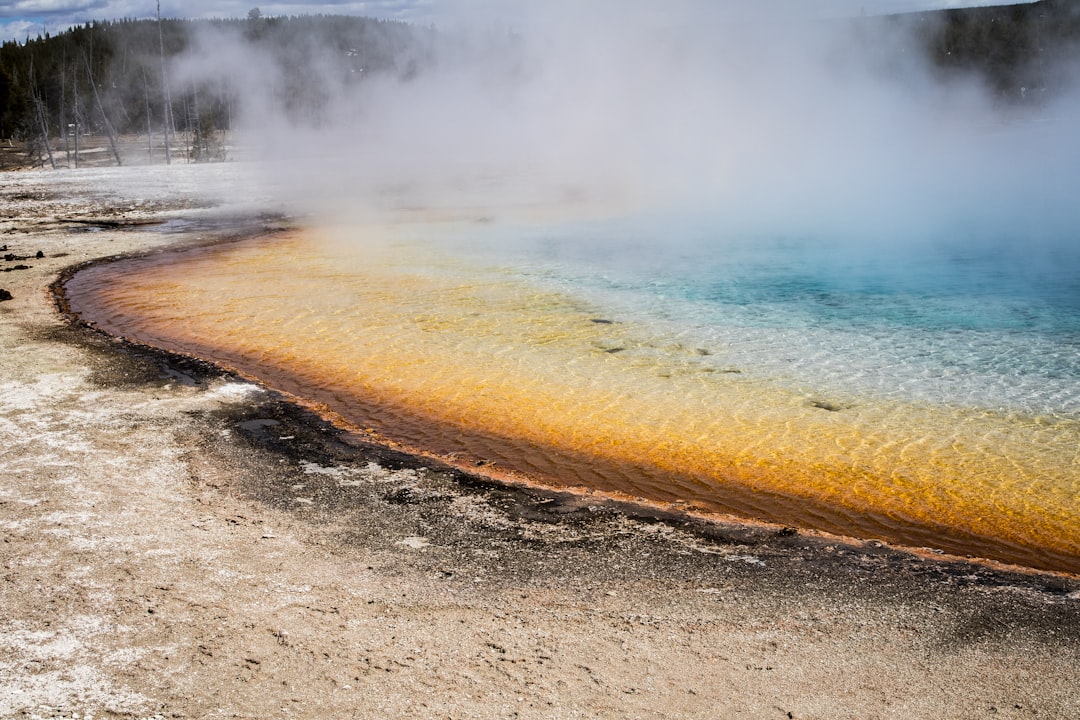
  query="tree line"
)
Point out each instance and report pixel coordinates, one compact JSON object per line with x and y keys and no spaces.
{"x":1023,"y":52}
{"x":112,"y":79}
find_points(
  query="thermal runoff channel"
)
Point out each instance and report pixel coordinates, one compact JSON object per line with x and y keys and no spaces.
{"x":740,"y":262}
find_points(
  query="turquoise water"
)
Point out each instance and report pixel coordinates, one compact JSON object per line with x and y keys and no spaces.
{"x":991,"y":323}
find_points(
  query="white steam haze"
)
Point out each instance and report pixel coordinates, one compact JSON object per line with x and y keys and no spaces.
{"x":761,"y":120}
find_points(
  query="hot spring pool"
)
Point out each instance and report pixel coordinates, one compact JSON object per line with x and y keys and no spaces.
{"x":927,"y":394}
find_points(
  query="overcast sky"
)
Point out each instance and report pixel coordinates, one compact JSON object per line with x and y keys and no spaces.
{"x":22,"y":18}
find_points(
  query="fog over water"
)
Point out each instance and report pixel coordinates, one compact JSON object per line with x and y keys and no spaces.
{"x":756,"y":120}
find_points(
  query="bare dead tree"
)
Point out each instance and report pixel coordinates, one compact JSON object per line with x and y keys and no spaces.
{"x":165,"y":84}
{"x":109,"y":130}
{"x":76,"y":118}
{"x":187,"y":124}
{"x":63,"y":105}
{"x":39,"y":106}
{"x":197,"y":145}
{"x":149,"y":128}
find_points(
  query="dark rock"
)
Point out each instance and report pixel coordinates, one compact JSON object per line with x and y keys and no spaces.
{"x":39,"y":255}
{"x":403,"y":496}
{"x":5,"y":295}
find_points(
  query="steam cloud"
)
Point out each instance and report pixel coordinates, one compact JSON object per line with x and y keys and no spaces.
{"x":763,"y":121}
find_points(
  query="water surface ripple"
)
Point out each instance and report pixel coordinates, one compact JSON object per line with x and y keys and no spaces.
{"x":939,"y":409}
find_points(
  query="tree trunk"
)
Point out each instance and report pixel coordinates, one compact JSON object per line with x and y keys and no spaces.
{"x":105,"y":118}
{"x":167,"y":120}
{"x":63,"y":106}
{"x":43,"y":123}
{"x":75,"y":94}
{"x":149,"y":129}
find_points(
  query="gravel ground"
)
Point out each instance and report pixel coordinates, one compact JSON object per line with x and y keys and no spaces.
{"x":179,"y":542}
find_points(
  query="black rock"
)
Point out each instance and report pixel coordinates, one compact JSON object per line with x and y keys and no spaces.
{"x":4,"y":295}
{"x":39,"y":255}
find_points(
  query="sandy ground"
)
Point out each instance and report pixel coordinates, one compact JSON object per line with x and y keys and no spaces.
{"x":180,"y":543}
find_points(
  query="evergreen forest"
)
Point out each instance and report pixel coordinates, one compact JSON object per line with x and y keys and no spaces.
{"x":112,"y":79}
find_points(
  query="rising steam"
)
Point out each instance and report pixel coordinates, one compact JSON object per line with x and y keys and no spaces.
{"x":763,"y":121}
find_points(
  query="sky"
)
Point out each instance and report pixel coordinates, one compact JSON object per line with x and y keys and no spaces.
{"x":20,"y":19}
